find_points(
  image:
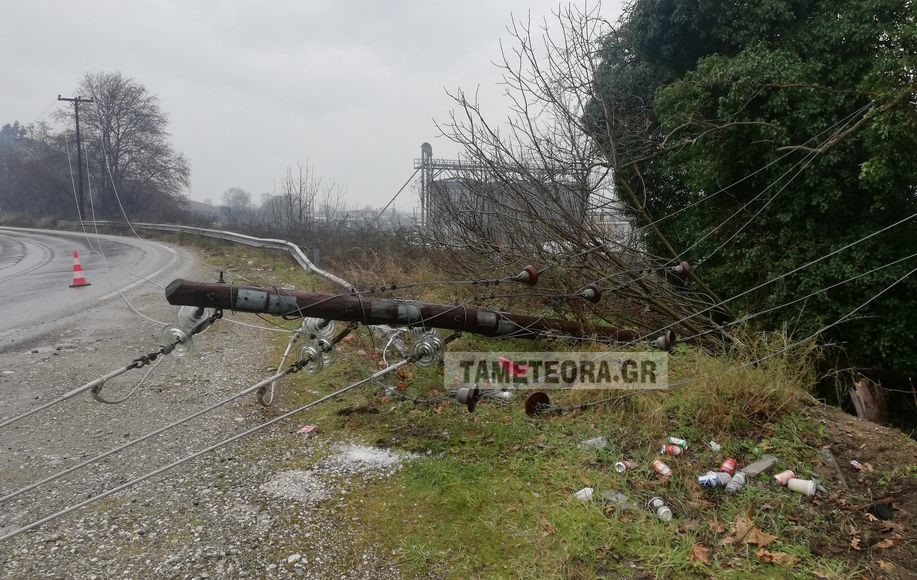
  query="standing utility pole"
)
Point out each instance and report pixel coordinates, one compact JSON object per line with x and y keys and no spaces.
{"x":79,"y":149}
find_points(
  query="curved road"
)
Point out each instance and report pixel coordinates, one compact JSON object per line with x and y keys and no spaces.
{"x":36,"y":269}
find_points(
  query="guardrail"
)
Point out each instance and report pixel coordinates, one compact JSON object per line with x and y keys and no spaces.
{"x":276,"y":244}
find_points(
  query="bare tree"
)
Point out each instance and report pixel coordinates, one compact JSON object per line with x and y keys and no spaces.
{"x":237,"y":206}
{"x":129,"y":147}
{"x":540,"y":186}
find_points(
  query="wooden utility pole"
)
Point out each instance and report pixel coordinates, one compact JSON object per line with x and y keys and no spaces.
{"x":370,"y":310}
{"x":79,"y":148}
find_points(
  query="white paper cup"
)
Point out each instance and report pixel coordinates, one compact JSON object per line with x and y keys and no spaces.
{"x":803,"y":486}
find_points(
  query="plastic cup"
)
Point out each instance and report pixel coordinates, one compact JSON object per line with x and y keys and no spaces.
{"x":803,"y":486}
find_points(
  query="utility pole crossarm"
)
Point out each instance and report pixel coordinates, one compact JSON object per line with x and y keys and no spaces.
{"x":357,"y":308}
{"x":77,"y":100}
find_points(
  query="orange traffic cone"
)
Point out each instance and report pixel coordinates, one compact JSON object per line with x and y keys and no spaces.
{"x":78,"y":279}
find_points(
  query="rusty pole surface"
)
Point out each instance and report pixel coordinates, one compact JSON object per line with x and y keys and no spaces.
{"x":357,"y":308}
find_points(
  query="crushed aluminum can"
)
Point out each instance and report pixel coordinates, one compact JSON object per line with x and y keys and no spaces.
{"x":714,"y":479}
{"x":659,"y":507}
{"x":673,"y":450}
{"x":784,"y":476}
{"x":661,"y":468}
{"x":856,"y":465}
{"x":738,"y":482}
{"x":624,"y":465}
{"x":677,"y":441}
{"x":729,"y":465}
{"x":714,"y":446}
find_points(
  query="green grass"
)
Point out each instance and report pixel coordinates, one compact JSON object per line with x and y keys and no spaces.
{"x":491,"y":493}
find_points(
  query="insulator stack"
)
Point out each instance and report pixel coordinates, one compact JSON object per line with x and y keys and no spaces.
{"x":468,"y":396}
{"x":319,"y":328}
{"x":429,"y":349}
{"x":591,"y":293}
{"x":682,"y":270}
{"x":536,"y":403}
{"x":529,"y":275}
{"x":666,"y":341}
{"x":194,"y":320}
{"x":180,"y":341}
{"x":311,"y":358}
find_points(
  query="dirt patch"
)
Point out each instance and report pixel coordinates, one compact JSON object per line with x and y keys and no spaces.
{"x":887,"y":479}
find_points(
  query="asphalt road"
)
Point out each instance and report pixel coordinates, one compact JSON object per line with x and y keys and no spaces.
{"x":218,"y":516}
{"x":36,"y":269}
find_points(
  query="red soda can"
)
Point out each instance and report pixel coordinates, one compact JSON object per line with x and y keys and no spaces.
{"x":661,"y":468}
{"x":729,"y":466}
{"x":624,"y":465}
{"x":673,"y":450}
{"x":784,"y":476}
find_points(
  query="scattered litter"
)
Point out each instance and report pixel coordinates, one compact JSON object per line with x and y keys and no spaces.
{"x":677,"y":441}
{"x":661,"y":468}
{"x":619,"y":499}
{"x":729,"y":465}
{"x":624,"y":465}
{"x":856,"y":465}
{"x":803,"y":486}
{"x":658,"y":506}
{"x":673,"y":450}
{"x":784,"y":476}
{"x":760,"y":465}
{"x":594,"y":443}
{"x":9,"y":373}
{"x":714,"y":479}
{"x":738,"y":482}
{"x":584,"y":494}
{"x":714,"y":446}
{"x":293,"y":558}
{"x":832,"y":462}
{"x":306,"y":429}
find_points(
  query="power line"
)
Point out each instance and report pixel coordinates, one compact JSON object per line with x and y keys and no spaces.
{"x":213,"y":447}
{"x":394,"y":197}
{"x":793,"y":271}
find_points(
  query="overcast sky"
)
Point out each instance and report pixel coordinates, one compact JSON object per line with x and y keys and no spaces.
{"x":352,"y":86}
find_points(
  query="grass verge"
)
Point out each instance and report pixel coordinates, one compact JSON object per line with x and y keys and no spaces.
{"x":491,"y":493}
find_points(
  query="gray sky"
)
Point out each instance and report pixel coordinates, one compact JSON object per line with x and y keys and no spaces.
{"x":250,"y":87}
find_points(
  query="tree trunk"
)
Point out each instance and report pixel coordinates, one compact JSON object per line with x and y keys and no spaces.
{"x":869,"y":401}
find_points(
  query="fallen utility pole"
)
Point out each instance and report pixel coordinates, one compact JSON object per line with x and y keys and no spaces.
{"x":357,"y":308}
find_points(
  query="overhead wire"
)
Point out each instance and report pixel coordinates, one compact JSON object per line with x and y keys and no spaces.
{"x":270,"y":380}
{"x":707,"y":198}
{"x":201,"y":452}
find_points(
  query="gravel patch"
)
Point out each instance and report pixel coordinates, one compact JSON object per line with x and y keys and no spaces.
{"x":332,"y":475}
{"x":238,"y":512}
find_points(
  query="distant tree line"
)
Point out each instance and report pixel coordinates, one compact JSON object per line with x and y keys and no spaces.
{"x":130,"y":165}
